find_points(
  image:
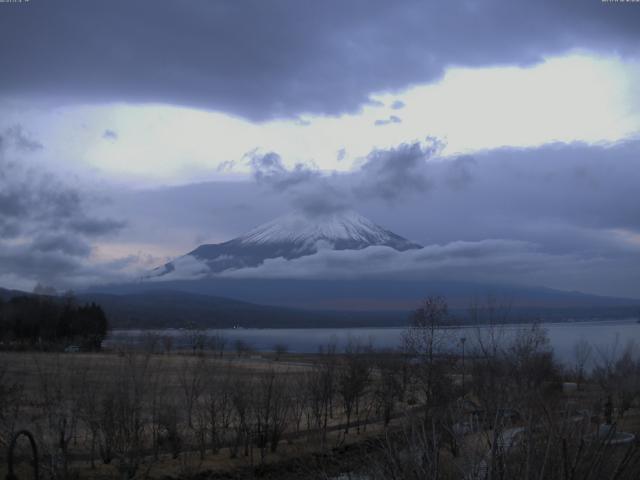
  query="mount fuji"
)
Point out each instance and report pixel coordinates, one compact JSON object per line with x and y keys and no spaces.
{"x":290,"y":236}
{"x":191,"y":288}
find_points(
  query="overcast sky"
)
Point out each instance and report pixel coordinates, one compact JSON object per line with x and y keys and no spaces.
{"x":502,"y":135}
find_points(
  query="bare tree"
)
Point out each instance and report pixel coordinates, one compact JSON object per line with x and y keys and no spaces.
{"x":388,"y":388}
{"x":243,"y":349}
{"x":89,"y":411}
{"x":427,"y":341}
{"x":280,"y":350}
{"x":196,"y":338}
{"x":618,"y":373}
{"x":412,"y":454}
{"x":59,"y":386}
{"x":299,"y":399}
{"x":151,"y":343}
{"x":218,"y":343}
{"x":220,"y":407}
{"x":191,"y":378}
{"x":270,"y":411}
{"x":582,"y":352}
{"x":128,"y":399}
{"x":167,"y":343}
{"x":515,"y":378}
{"x":169,"y":423}
{"x":157,"y":391}
{"x":11,"y":402}
{"x":354,"y":375}
{"x":242,"y":389}
{"x":322,"y":384}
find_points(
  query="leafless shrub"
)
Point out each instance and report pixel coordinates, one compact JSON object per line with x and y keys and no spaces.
{"x":218,"y":343}
{"x":219,"y":408}
{"x":59,"y":388}
{"x":411,"y":454}
{"x":354,"y":375}
{"x":127,"y":401}
{"x":388,"y":390}
{"x":189,"y":465}
{"x":170,"y":429}
{"x":243,"y":349}
{"x":427,"y":342}
{"x":582,"y":353}
{"x":241,"y":394}
{"x":298,"y":392}
{"x":196,"y":338}
{"x":191,"y":378}
{"x":151,"y":343}
{"x":11,"y":399}
{"x":617,"y":371}
{"x":270,"y":410}
{"x":280,"y":350}
{"x":167,"y":344}
{"x":322,"y":384}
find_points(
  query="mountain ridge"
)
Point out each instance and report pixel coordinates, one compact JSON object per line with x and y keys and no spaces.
{"x":289,"y":236}
{"x":145,"y":308}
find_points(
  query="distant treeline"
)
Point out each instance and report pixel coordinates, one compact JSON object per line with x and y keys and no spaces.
{"x":50,"y":323}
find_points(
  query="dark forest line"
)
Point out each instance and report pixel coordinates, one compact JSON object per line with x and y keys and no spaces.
{"x":177,"y":309}
{"x":51,"y":323}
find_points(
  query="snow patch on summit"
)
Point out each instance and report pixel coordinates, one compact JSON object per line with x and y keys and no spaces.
{"x":297,"y":228}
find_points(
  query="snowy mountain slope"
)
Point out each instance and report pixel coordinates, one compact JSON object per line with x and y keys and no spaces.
{"x":290,"y":236}
{"x":347,"y":226}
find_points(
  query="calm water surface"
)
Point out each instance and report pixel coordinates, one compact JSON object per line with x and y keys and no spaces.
{"x":602,"y":335}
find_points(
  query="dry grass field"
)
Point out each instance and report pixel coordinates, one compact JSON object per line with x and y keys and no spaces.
{"x":416,"y":414}
{"x":263,"y":410}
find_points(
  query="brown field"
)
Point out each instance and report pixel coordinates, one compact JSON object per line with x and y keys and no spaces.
{"x":72,"y":387}
{"x":135,"y":414}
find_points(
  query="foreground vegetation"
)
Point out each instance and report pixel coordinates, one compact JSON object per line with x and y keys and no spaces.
{"x":504,"y":410}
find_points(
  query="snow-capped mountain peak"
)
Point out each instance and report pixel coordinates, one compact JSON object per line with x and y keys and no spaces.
{"x":296,"y":227}
{"x":290,"y":236}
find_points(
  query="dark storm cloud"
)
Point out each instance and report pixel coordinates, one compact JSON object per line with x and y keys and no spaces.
{"x":46,"y":226}
{"x":322,"y":200}
{"x":268,"y":169}
{"x":95,"y":226}
{"x":393,"y":173}
{"x":387,"y":121}
{"x":283,"y":58}
{"x":22,"y":266}
{"x":384,"y":174}
{"x":389,"y":175}
{"x":30,"y":264}
{"x":304,"y":186}
{"x":61,"y":242}
{"x":32,"y":199}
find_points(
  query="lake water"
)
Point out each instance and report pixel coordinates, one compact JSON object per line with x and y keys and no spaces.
{"x":603,"y":336}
